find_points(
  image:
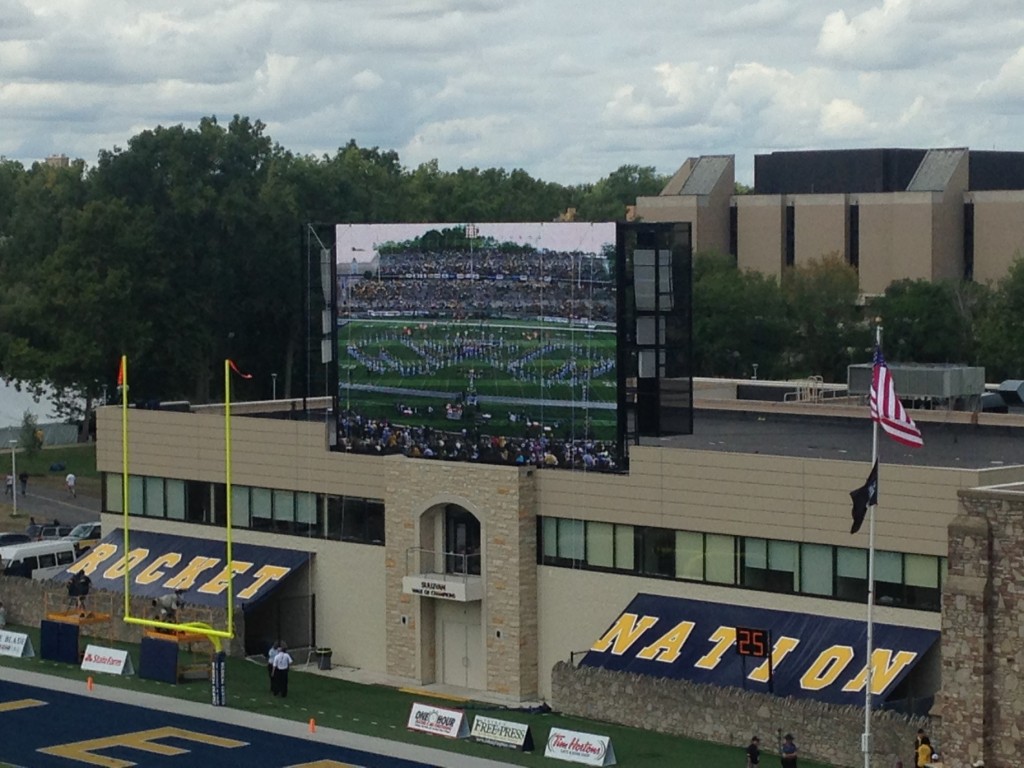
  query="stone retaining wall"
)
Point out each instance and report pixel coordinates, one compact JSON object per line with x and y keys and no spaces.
{"x":824,"y":732}
{"x":28,"y":601}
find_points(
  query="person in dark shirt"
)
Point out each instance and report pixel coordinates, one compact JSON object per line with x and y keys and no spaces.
{"x":788,"y":751}
{"x":753,"y":752}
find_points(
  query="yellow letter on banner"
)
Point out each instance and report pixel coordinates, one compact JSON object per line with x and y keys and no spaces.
{"x":624,"y":632}
{"x":668,"y":647}
{"x":884,"y":669}
{"x":826,"y":668}
{"x":782,"y":648}
{"x":723,"y":637}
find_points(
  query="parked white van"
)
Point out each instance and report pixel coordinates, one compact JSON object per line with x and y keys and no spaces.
{"x":38,"y":559}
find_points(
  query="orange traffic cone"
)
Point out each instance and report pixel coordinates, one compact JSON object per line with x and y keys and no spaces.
{"x":88,"y":682}
{"x":312,"y":725}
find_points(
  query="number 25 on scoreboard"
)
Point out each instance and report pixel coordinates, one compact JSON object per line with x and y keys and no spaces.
{"x":753,"y":642}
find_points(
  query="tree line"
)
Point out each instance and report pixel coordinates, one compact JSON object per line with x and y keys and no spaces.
{"x":184,"y":248}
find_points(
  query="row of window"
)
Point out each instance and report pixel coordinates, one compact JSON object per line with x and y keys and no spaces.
{"x":317,"y":515}
{"x":901,"y":579}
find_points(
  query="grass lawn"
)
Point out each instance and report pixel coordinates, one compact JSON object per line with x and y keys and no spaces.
{"x":381,"y":711}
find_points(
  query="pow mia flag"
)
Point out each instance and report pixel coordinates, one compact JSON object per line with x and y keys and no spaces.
{"x":864,"y":497}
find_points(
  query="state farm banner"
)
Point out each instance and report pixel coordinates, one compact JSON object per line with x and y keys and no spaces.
{"x":16,"y":644}
{"x":579,"y":747}
{"x":109,"y":660}
{"x":502,"y":733}
{"x":159,"y":563}
{"x":813,"y":657}
{"x":450,"y":723}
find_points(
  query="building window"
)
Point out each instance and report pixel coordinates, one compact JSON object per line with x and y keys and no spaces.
{"x":259,"y":509}
{"x":657,"y":551}
{"x":690,"y":555}
{"x":786,"y":567}
{"x":816,"y":569}
{"x":852,"y":574}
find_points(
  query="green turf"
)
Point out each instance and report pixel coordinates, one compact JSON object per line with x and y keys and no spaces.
{"x":381,"y":711}
{"x":530,"y":360}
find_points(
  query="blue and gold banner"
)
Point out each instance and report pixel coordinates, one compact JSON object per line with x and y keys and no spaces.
{"x":161,"y":563}
{"x":813,"y":657}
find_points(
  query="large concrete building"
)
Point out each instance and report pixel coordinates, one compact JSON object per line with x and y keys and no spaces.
{"x":484,"y":577}
{"x":893,"y":213}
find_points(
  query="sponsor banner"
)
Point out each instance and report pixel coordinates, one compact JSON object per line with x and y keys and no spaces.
{"x":578,"y":747}
{"x":502,"y":733}
{"x":16,"y":644}
{"x":812,"y":657}
{"x":450,"y":723}
{"x":109,"y":660}
{"x":160,"y":563}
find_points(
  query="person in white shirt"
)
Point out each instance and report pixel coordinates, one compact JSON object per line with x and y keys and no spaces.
{"x":279,"y":675}
{"x":70,"y":481}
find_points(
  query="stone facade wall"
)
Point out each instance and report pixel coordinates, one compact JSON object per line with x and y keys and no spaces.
{"x":503,"y":499}
{"x":28,"y":601}
{"x":982,"y":699}
{"x":824,"y":732}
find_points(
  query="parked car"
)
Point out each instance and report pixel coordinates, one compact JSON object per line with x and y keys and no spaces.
{"x":84,"y":535}
{"x":6,"y":539}
{"x":51,"y":532}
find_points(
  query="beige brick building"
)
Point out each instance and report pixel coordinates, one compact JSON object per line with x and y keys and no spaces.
{"x":893,"y":213}
{"x":399,"y":604}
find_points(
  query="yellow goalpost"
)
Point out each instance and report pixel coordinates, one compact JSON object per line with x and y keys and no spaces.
{"x":215,"y":635}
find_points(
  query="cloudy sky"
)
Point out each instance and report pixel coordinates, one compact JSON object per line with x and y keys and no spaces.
{"x":566,"y":91}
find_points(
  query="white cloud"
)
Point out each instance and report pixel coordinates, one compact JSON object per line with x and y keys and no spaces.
{"x":568,"y":93}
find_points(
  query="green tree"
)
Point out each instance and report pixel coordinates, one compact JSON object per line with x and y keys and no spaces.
{"x":928,"y":322}
{"x":30,"y":438}
{"x":827,"y":330}
{"x":729,"y":341}
{"x":1000,"y":342}
{"x":607,"y":199}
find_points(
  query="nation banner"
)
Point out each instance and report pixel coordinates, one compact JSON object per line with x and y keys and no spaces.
{"x":813,"y":657}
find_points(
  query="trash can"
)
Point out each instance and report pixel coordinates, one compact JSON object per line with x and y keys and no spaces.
{"x":324,"y":655}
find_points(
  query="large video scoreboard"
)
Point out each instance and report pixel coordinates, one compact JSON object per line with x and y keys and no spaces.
{"x":497,"y":343}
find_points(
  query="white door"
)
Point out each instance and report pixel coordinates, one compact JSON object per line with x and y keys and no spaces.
{"x":462,"y":657}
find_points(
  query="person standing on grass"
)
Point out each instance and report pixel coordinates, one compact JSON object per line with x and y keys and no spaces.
{"x":754,"y":752}
{"x":279,"y":676}
{"x":788,"y":751}
{"x":275,"y":647}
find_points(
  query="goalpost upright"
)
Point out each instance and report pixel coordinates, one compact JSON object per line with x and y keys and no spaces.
{"x":215,"y":635}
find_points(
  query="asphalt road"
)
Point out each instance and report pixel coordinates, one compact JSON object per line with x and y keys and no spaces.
{"x":49,"y":722}
{"x":46,"y":503}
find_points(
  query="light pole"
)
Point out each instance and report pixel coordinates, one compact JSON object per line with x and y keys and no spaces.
{"x":273,"y":379}
{"x":14,"y":476}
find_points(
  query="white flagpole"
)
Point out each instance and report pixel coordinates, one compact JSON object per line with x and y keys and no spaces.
{"x":866,"y":740}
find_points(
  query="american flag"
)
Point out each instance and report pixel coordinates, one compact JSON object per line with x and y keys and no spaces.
{"x":887,"y":409}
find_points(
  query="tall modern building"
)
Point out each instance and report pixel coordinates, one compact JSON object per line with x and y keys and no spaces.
{"x":931,"y":214}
